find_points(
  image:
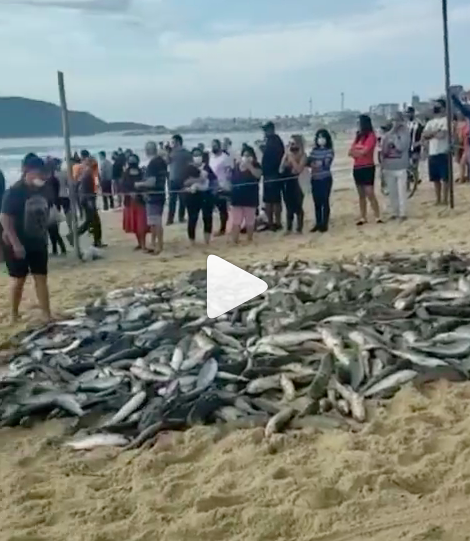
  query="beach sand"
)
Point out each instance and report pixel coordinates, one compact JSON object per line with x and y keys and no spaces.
{"x":405,"y":476}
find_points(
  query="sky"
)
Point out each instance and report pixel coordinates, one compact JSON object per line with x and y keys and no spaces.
{"x":169,"y":61}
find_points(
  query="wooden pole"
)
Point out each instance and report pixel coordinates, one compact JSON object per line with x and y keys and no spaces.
{"x":448,"y":101}
{"x":68,"y":157}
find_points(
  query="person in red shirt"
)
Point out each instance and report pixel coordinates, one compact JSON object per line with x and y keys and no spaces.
{"x":362,"y":151}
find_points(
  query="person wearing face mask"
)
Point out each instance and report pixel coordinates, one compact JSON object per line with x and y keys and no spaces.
{"x":292,"y":165}
{"x":320,"y":161}
{"x":221,"y":165}
{"x":24,"y":230}
{"x":395,"y":163}
{"x":362,"y":151}
{"x":435,"y":132}
{"x":200,"y":185}
{"x":134,"y":218}
{"x":245,"y":194}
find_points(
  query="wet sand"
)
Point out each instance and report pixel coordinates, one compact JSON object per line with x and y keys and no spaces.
{"x":405,"y":476}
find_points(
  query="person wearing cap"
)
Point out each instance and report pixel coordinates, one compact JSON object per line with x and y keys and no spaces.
{"x":396,"y":145}
{"x":272,"y":185}
{"x":154,"y":185}
{"x":24,"y":230}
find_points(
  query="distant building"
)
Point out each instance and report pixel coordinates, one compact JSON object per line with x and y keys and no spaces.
{"x":387,"y":110}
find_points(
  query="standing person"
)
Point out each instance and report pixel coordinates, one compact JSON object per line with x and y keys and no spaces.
{"x":245,"y":194}
{"x":272,"y":185}
{"x":77,"y":169}
{"x":221,"y":164}
{"x":106,"y":180}
{"x":320,"y":161}
{"x":3,"y":186}
{"x":24,"y":219}
{"x":118,"y":172}
{"x":64,"y":196}
{"x":415,"y":128}
{"x":227,"y":148}
{"x":87,"y":196}
{"x":292,"y":165}
{"x":53,"y":191}
{"x":154,"y":184}
{"x":435,"y":132}
{"x":200,"y":185}
{"x":179,"y":160}
{"x":362,"y":151}
{"x":395,"y":163}
{"x":134,"y":217}
{"x":464,"y":110}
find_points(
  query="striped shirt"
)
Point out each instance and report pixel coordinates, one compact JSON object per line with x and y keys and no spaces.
{"x":320,"y":161}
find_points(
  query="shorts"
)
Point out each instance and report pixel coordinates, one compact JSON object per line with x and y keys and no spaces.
{"x":272,"y":191}
{"x":438,"y":168}
{"x":243,"y":214}
{"x":154,"y":213}
{"x":364,"y":175}
{"x":35,"y":262}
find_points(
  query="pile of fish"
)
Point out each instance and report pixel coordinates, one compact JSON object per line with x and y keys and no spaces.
{"x":322,"y":343}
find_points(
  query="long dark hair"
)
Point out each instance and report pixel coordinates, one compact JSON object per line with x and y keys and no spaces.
{"x":326,"y":134}
{"x":251,"y":151}
{"x":365,"y":127}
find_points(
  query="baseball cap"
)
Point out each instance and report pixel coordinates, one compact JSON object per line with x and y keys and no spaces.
{"x":268,"y":126}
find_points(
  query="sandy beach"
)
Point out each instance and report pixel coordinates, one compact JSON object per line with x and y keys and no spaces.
{"x":405,"y":476}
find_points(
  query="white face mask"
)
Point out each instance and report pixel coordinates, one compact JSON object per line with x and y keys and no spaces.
{"x":197,"y":160}
{"x":322,"y":141}
{"x":38,"y":182}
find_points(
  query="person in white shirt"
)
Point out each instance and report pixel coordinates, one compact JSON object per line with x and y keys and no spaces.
{"x":436,"y":133}
{"x":222,"y":164}
{"x":227,"y":148}
{"x":106,"y":180}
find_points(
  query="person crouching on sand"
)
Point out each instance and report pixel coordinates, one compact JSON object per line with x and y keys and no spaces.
{"x":362,"y":151}
{"x":134,"y":218}
{"x":200,"y":186}
{"x":24,"y":229}
{"x":245,"y":194}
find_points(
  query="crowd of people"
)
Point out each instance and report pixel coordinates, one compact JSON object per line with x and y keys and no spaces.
{"x":197,"y":183}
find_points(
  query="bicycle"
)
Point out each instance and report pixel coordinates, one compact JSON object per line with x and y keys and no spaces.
{"x":412,"y":181}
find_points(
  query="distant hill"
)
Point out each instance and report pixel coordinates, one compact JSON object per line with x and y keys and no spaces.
{"x":22,"y":117}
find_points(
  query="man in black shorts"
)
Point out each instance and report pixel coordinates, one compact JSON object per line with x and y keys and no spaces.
{"x":273,"y":151}
{"x":24,"y":227}
{"x":439,"y":161}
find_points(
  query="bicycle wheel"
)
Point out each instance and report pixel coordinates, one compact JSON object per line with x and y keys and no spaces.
{"x":412,"y":182}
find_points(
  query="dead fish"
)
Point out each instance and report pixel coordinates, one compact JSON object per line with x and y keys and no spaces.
{"x":288,"y":388}
{"x":392,"y":381}
{"x":128,"y":409}
{"x":278,"y":421}
{"x":98,"y":440}
{"x":354,"y":400}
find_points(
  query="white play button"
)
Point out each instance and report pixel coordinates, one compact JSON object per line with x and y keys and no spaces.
{"x":229,"y":286}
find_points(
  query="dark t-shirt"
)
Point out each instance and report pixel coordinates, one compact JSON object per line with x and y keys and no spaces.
{"x":156,"y":169}
{"x":118,"y":169}
{"x":131,"y":176}
{"x":272,"y":156}
{"x":28,"y":206}
{"x":245,"y":189}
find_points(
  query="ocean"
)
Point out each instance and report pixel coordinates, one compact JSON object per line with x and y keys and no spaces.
{"x":12,"y":151}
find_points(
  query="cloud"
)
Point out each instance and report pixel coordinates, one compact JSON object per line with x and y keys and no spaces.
{"x":154,"y":61}
{"x":86,"y":5}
